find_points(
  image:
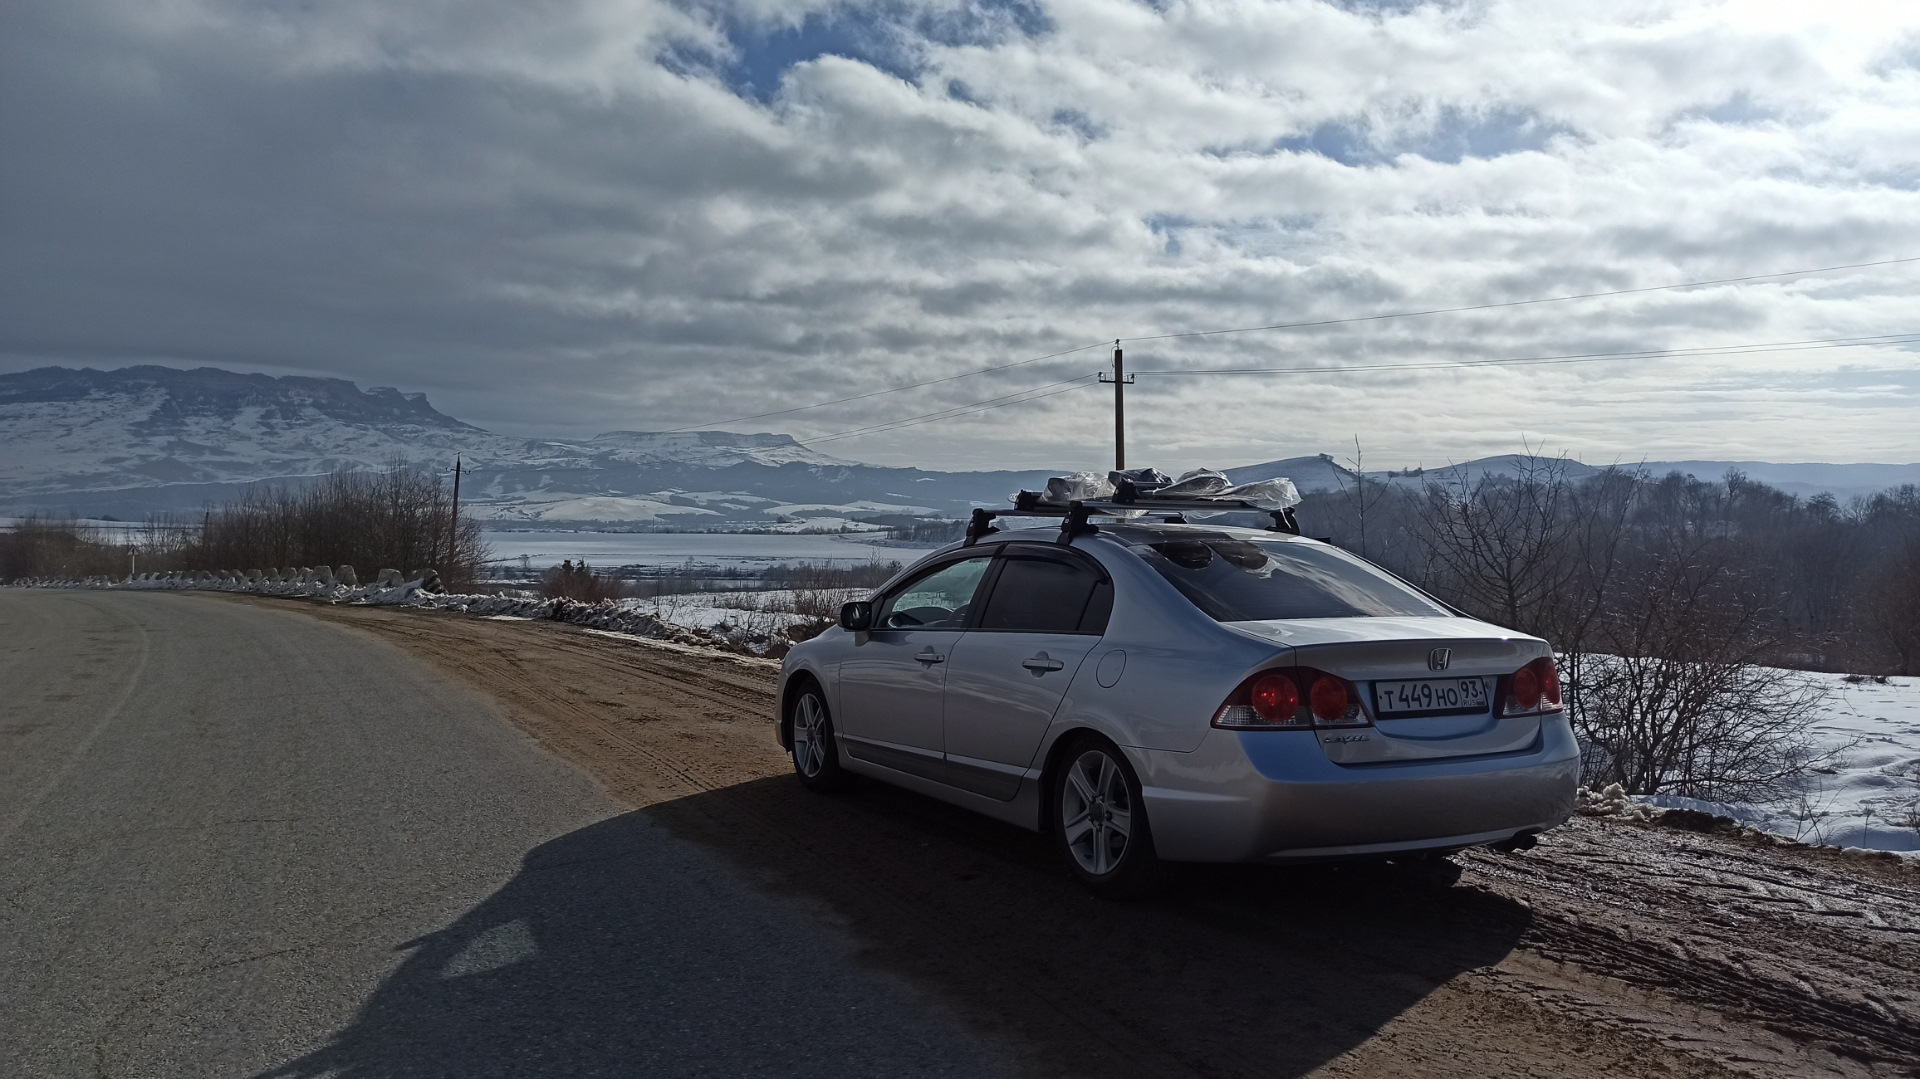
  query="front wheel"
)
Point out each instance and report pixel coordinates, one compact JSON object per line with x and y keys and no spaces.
{"x":1100,"y":824}
{"x":816,"y":760}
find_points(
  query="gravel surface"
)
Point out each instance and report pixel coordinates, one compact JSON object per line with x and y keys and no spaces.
{"x":1610,"y":949}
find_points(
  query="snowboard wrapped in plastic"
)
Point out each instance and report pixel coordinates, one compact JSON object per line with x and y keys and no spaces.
{"x":1144,"y":486}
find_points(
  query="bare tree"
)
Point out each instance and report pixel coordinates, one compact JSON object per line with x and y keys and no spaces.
{"x":1504,"y":545}
{"x":1890,"y":605}
{"x":1677,"y":700}
{"x":1360,"y":493}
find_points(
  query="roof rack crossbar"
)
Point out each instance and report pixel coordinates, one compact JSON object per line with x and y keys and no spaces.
{"x":1075,"y":514}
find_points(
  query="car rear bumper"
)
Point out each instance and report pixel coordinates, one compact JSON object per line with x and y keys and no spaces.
{"x":1274,"y":796}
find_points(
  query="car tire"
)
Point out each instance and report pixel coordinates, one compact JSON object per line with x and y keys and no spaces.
{"x":1099,"y":822}
{"x":815,"y":752}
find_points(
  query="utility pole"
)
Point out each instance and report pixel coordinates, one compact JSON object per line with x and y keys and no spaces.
{"x":1121,"y":380}
{"x":453,"y":520}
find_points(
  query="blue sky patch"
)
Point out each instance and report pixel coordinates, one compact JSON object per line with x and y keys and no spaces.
{"x":1461,"y":135}
{"x":1079,"y":123}
{"x":888,"y":36}
{"x":1346,"y":144}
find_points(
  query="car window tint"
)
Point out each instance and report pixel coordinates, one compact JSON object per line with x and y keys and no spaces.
{"x":938,"y":600}
{"x":1039,"y":596}
{"x":1094,"y":619}
{"x":1241,"y":580}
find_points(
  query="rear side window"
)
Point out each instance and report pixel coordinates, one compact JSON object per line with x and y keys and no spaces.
{"x":1241,"y":580}
{"x":1044,"y":596}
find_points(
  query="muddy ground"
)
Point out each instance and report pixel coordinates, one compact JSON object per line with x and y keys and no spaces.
{"x":1611,"y":949}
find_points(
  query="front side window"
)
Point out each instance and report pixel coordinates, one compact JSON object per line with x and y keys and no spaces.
{"x":940,"y":599}
{"x":1234,"y":579}
{"x":1035,"y":595}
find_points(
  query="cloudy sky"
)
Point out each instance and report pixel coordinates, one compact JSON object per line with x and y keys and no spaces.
{"x":569,"y":216}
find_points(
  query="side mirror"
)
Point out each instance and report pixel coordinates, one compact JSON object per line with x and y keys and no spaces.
{"x":856,"y":616}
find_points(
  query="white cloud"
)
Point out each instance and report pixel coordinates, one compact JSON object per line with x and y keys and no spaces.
{"x":590,"y":214}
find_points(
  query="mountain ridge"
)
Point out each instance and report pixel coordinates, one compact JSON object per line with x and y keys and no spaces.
{"x":148,"y":439}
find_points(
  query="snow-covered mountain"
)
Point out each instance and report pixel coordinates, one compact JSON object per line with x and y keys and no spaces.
{"x":1843,"y":481}
{"x":139,"y":440}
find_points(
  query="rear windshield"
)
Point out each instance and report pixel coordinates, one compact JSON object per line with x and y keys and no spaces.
{"x":1243,"y":580}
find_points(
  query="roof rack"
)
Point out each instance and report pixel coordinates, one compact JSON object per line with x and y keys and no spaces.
{"x":1074,"y":514}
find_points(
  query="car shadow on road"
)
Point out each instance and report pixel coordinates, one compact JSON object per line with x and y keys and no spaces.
{"x":624,"y":949}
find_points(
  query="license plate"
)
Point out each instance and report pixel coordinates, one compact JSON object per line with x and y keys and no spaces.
{"x":1430,"y":697}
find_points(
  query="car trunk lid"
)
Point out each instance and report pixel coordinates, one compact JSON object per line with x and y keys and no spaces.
{"x":1427,"y":683}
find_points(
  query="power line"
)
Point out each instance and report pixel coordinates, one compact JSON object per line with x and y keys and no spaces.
{"x":1022,"y":396}
{"x":1523,"y":303}
{"x":1053,"y":389}
{"x":1288,"y":326}
{"x":1703,"y":352}
{"x":890,"y":389}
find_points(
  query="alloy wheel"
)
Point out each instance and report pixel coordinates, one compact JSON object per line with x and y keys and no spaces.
{"x":809,"y":735}
{"x":1096,"y":812}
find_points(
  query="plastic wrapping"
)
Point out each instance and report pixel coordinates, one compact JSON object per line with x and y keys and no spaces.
{"x":1078,"y":487}
{"x":1141,"y":479}
{"x":1278,"y":493}
{"x":1199,"y":483}
{"x":1145,"y":486}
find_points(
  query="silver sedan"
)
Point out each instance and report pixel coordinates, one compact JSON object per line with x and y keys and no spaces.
{"x":1145,"y":693}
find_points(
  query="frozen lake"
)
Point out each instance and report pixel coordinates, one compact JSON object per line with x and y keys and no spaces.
{"x":610,"y":549}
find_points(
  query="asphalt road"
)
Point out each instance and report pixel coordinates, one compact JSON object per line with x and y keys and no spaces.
{"x":239,"y":841}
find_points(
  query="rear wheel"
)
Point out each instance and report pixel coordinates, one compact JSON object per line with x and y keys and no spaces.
{"x":1099,"y":824}
{"x":816,"y":759}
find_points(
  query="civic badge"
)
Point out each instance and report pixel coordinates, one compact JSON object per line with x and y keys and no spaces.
{"x":1438,"y":659}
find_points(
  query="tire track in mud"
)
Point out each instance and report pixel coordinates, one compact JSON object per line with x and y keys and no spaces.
{"x":1811,"y":951}
{"x":1609,"y":949}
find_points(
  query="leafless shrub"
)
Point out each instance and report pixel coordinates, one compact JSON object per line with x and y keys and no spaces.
{"x":43,"y":545}
{"x":577,"y":581}
{"x":1679,"y":702}
{"x":400,"y":517}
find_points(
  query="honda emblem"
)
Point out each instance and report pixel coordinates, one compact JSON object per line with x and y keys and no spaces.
{"x":1438,"y":659}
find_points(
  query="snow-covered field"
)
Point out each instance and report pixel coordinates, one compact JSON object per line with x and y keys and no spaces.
{"x":1868,"y":793}
{"x":726,"y":550}
{"x":751,"y":614}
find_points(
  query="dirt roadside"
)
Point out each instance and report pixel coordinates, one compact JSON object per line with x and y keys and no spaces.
{"x":1610,"y":949}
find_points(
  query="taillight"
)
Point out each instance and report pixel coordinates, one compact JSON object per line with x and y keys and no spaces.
{"x":1530,"y":691}
{"x":1275,"y":698}
{"x":1295,"y":699}
{"x":1526,"y":689}
{"x":1331,"y":701}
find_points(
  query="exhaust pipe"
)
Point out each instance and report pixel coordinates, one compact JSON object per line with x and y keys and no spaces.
{"x":1520,"y":841}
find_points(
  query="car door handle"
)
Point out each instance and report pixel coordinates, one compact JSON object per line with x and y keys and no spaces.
{"x":1041,"y":663}
{"x":930,"y":657}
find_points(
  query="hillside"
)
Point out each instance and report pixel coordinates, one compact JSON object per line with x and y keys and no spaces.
{"x":141,"y":440}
